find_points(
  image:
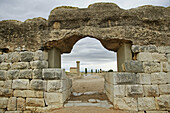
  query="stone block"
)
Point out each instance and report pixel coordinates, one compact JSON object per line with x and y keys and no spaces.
{"x":109,"y":88}
{"x":151,"y":67}
{"x":20,"y":84}
{"x":40,"y":55}
{"x":159,"y":57}
{"x":134,"y":91}
{"x":159,"y":78}
{"x":125,"y":78}
{"x":27,"y":112}
{"x":12,"y":74}
{"x":2,"y":75}
{"x":125,"y":103}
{"x":13,"y":112}
{"x":168,"y":57}
{"x":165,"y":66}
{"x":144,"y":56}
{"x":21,"y":104}
{"x":163,"y":102}
{"x":164,"y":89}
{"x":26,"y":56}
{"x":52,"y":74}
{"x":156,"y":111}
{"x":53,"y":98}
{"x":30,"y":108}
{"x":26,"y":74}
{"x":147,"y":48}
{"x":133,"y":66}
{"x":54,"y":85}
{"x":144,"y":78}
{"x":151,"y":90}
{"x":39,"y":64}
{"x":8,"y":84}
{"x":164,"y":49}
{"x":5,"y":66}
{"x":12,"y":104}
{"x":2,"y":110}
{"x":34,"y":94}
{"x":14,"y":57}
{"x":37,"y":74}
{"x":119,"y":91}
{"x":35,"y":102}
{"x":3,"y":102}
{"x":19,"y":93}
{"x":2,"y":83}
{"x":37,"y":84}
{"x":109,"y":77}
{"x":20,"y":65}
{"x":52,"y":108}
{"x":6,"y":92}
{"x":146,"y":103}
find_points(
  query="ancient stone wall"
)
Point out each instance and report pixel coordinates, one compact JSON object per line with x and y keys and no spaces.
{"x":28,"y":85}
{"x":145,"y":84}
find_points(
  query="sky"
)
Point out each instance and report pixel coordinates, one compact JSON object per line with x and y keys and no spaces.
{"x":88,"y":51}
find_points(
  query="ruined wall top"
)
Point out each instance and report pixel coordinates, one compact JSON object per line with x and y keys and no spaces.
{"x":103,"y":21}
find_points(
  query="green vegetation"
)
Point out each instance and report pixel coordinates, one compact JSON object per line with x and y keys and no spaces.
{"x":85,"y":70}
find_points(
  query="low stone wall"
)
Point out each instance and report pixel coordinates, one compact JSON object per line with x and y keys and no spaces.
{"x":28,"y":85}
{"x":145,"y":84}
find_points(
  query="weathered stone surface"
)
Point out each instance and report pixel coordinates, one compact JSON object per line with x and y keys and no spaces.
{"x":109,"y":88}
{"x":159,"y":78}
{"x":12,"y":74}
{"x":2,"y":75}
{"x":146,"y":103}
{"x":20,"y":65}
{"x":151,"y":90}
{"x":19,"y":93}
{"x":163,"y":102}
{"x":168,"y":57}
{"x":159,"y":57}
{"x":52,"y":108}
{"x":25,"y":74}
{"x":54,"y":85}
{"x":8,"y":84}
{"x":37,"y":74}
{"x":151,"y":67}
{"x":133,"y":66}
{"x":2,"y":110}
{"x":37,"y":84}
{"x":134,"y":90}
{"x":144,"y":56}
{"x":14,"y":57}
{"x":156,"y":111}
{"x":164,"y":49}
{"x":12,"y":104}
{"x":146,"y":48}
{"x":21,"y":104}
{"x":40,"y":55}
{"x":125,"y":103}
{"x":39,"y":64}
{"x":165,"y":66}
{"x":40,"y":110}
{"x":20,"y":84}
{"x":3,"y":102}
{"x":5,"y":66}
{"x":13,"y":112}
{"x":52,"y":74}
{"x":53,"y":98}
{"x":26,"y":56}
{"x":2,"y":83}
{"x":35,"y":102}
{"x":164,"y":89}
{"x":144,"y":78}
{"x":119,"y":91}
{"x":6,"y":92}
{"x":28,"y":93}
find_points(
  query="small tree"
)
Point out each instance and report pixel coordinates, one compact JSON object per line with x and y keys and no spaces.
{"x":96,"y":70}
{"x":91,"y":70}
{"x":86,"y":70}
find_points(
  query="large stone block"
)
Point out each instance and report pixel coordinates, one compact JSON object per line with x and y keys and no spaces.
{"x":40,"y":55}
{"x":119,"y":91}
{"x":37,"y":84}
{"x":52,"y":74}
{"x":54,"y":85}
{"x":28,"y":93}
{"x":2,"y":83}
{"x":20,"y":84}
{"x":26,"y":74}
{"x":159,"y":78}
{"x":35,"y":102}
{"x":144,"y":78}
{"x":19,"y":93}
{"x":163,"y":102}
{"x":13,"y":112}
{"x":12,"y":104}
{"x":147,"y":48}
{"x":3,"y":102}
{"x":21,"y":104}
{"x":133,"y":66}
{"x":14,"y":57}
{"x":151,"y":90}
{"x":2,"y":75}
{"x":168,"y":57}
{"x":5,"y":66}
{"x":156,"y":112}
{"x":20,"y":65}
{"x":164,"y":49}
{"x":37,"y":74}
{"x":134,"y":91}
{"x":26,"y":56}
{"x":165,"y":66}
{"x":146,"y":103}
{"x":151,"y":67}
{"x":125,"y":103}
{"x":53,"y":98}
{"x":2,"y":110}
{"x":6,"y":92}
{"x":164,"y":89}
{"x":109,"y":88}
{"x":144,"y":56}
{"x":12,"y":74}
{"x":39,"y":64}
{"x":109,"y":77}
{"x":8,"y":84}
{"x":159,"y":57}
